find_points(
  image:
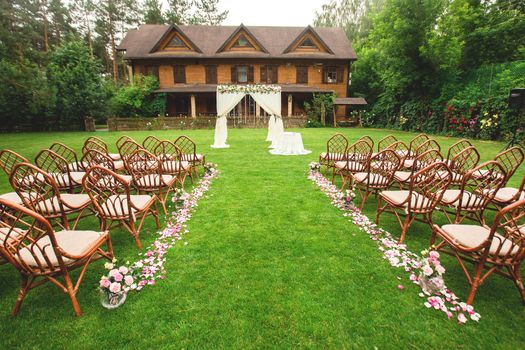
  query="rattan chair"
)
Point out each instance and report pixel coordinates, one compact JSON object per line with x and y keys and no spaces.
{"x":367,"y":139}
{"x":358,"y":158}
{"x":150,"y":143}
{"x":403,"y":177}
{"x":477,"y":190}
{"x":58,"y":168}
{"x":93,"y":142}
{"x":93,"y":157}
{"x":189,"y":152}
{"x":336,"y":151}
{"x":41,"y":255}
{"x":461,"y":163}
{"x":456,"y":148}
{"x":40,"y":192}
{"x":378,"y":175}
{"x":499,"y":248}
{"x":386,"y":142}
{"x":424,"y":192}
{"x":427,"y":145}
{"x":8,"y":160}
{"x":415,"y":143}
{"x":149,"y":177}
{"x":68,"y":154}
{"x":508,"y":195}
{"x":127,"y":148}
{"x":171,"y":157}
{"x":121,"y":141}
{"x":111,"y":196}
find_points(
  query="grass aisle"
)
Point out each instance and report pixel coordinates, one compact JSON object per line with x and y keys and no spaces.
{"x":269,"y":264}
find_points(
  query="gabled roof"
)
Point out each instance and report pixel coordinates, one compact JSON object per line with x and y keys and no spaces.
{"x":240,"y":29}
{"x":140,"y":43}
{"x":171,"y":29}
{"x":307,"y":30}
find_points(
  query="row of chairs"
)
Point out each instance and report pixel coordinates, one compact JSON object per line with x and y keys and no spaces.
{"x":415,"y":182}
{"x":38,"y":233}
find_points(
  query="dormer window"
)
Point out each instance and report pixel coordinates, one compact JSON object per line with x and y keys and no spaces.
{"x":242,"y":42}
{"x":308,"y":44}
{"x":176,"y":42}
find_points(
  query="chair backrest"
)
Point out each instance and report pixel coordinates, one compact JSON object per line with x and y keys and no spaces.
{"x":94,"y":157}
{"x":416,"y":142}
{"x":386,"y":142}
{"x":150,"y":143}
{"x":400,"y":148}
{"x":509,"y":223}
{"x":427,"y":186}
{"x":510,"y":159}
{"x":385,"y":164}
{"x":92,"y":144}
{"x":457,"y":147}
{"x":109,"y":193}
{"x":337,"y":144}
{"x":360,"y":151}
{"x":145,"y":168}
{"x":97,"y":140}
{"x":127,"y":148}
{"x":28,"y":240}
{"x":57,"y":167}
{"x":479,"y":186}
{"x":38,"y":190}
{"x":367,"y":139}
{"x":121,"y":141}
{"x":8,"y":160}
{"x":426,"y":146}
{"x":465,"y":160}
{"x":186,"y":145}
{"x":426,"y":159}
{"x":65,"y":152}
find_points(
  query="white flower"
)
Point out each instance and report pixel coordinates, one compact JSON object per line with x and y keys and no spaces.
{"x":109,"y":266}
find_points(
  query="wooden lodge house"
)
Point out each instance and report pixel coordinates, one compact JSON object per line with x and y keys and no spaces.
{"x":190,"y":61}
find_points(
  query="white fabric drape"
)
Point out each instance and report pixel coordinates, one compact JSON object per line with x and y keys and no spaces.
{"x":225,"y":103}
{"x":271,"y":128}
{"x":271,"y":103}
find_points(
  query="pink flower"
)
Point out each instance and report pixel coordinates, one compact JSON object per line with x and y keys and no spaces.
{"x":123,"y":270}
{"x":462,"y":318}
{"x":400,"y":286}
{"x":118,"y":277}
{"x":114,"y":287}
{"x":104,"y":283}
{"x":113,"y":272}
{"x":128,"y":280}
{"x":433,"y":254}
{"x":427,"y":270}
{"x":440,"y":269}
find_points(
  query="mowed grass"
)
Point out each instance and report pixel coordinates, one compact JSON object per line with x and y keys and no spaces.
{"x":269,"y":263}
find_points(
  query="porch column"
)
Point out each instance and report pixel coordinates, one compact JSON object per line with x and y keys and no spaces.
{"x":290,"y":104}
{"x":130,"y":74}
{"x":257,"y":110}
{"x":193,"y":107}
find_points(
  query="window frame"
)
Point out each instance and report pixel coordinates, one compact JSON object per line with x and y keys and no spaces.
{"x":238,"y":69}
{"x":176,"y":76}
{"x":297,"y":74}
{"x":328,"y":70}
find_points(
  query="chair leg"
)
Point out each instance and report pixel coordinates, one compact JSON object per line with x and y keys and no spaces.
{"x":156,"y":215}
{"x":135,"y":234}
{"x":363,"y":200}
{"x":516,"y":274}
{"x":406,"y":225}
{"x":378,"y":211}
{"x":26,"y":283}
{"x":71,"y":293}
{"x":475,"y":283}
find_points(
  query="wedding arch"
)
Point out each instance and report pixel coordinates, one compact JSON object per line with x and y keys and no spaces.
{"x":268,"y":97}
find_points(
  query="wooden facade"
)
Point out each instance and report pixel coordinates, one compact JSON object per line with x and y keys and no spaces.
{"x":190,"y":67}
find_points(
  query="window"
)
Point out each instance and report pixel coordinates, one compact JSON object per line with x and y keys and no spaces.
{"x":176,"y":42}
{"x":179,"y":74}
{"x":152,"y":71}
{"x":211,"y":74}
{"x":269,"y":74}
{"x":242,"y":42}
{"x":301,"y":74}
{"x":330,"y":75}
{"x":242,"y":74}
{"x":308,"y":43}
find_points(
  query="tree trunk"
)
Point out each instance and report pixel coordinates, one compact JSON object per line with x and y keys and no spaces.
{"x":114,"y":54}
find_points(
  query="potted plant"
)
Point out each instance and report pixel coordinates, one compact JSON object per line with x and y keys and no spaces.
{"x":115,"y":286}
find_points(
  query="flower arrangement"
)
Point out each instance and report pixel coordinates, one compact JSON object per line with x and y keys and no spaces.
{"x":180,"y":196}
{"x":115,"y":286}
{"x":431,"y":275}
{"x":248,"y":88}
{"x":399,"y":256}
{"x":210,"y":167}
{"x":349,"y":196}
{"x":315,"y":166}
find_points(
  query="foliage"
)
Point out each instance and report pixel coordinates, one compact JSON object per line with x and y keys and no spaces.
{"x":314,"y":109}
{"x":138,"y":99}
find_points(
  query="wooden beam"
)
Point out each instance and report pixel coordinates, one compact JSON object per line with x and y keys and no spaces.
{"x":193,"y":107}
{"x":290,"y":105}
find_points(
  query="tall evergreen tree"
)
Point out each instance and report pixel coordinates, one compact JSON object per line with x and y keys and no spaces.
{"x":153,"y":12}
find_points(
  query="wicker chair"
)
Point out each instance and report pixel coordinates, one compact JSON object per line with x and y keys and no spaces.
{"x":68,"y":154}
{"x":415,"y":143}
{"x":508,"y":195}
{"x":189,"y":153}
{"x":40,"y":254}
{"x":8,"y":160}
{"x":336,"y":151}
{"x":150,"y":143}
{"x":149,"y":177}
{"x":93,"y":157}
{"x":127,"y":148}
{"x":386,"y":142}
{"x":427,"y":145}
{"x":475,"y":193}
{"x":461,"y":163}
{"x":40,"y":192}
{"x":378,"y":175}
{"x":425,"y":190}
{"x":111,"y":196}
{"x":121,"y":141}
{"x":93,"y":142}
{"x":403,"y":177}
{"x":499,"y":248}
{"x":367,"y":139}
{"x":358,"y":158}
{"x":58,"y":168}
{"x":456,"y":148}
{"x":171,"y":157}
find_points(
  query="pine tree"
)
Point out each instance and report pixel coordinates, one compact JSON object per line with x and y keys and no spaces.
{"x":207,"y":12}
{"x":153,"y":12}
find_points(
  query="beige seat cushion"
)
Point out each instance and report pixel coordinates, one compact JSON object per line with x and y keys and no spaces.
{"x":118,"y":164}
{"x":12,"y":197}
{"x":78,"y":166}
{"x":375,"y":179}
{"x":72,"y":242}
{"x":192,"y":157}
{"x":114,"y":156}
{"x":332,"y":156}
{"x":173,"y":165}
{"x":471,"y":236}
{"x":350,"y":166}
{"x":408,"y":163}
{"x":154,"y":180}
{"x":402,"y":176}
{"x":71,"y":201}
{"x":455,"y":177}
{"x":468,"y":201}
{"x":143,"y":165}
{"x":397,"y":197}
{"x":11,"y":234}
{"x":117,"y":205}
{"x":505,"y":194}
{"x":63,"y":180}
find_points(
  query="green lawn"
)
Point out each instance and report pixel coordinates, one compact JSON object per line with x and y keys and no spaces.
{"x":270,"y":263}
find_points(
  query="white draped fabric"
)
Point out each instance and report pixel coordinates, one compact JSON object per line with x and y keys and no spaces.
{"x":225,"y":103}
{"x":271,"y":103}
{"x":271,"y":128}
